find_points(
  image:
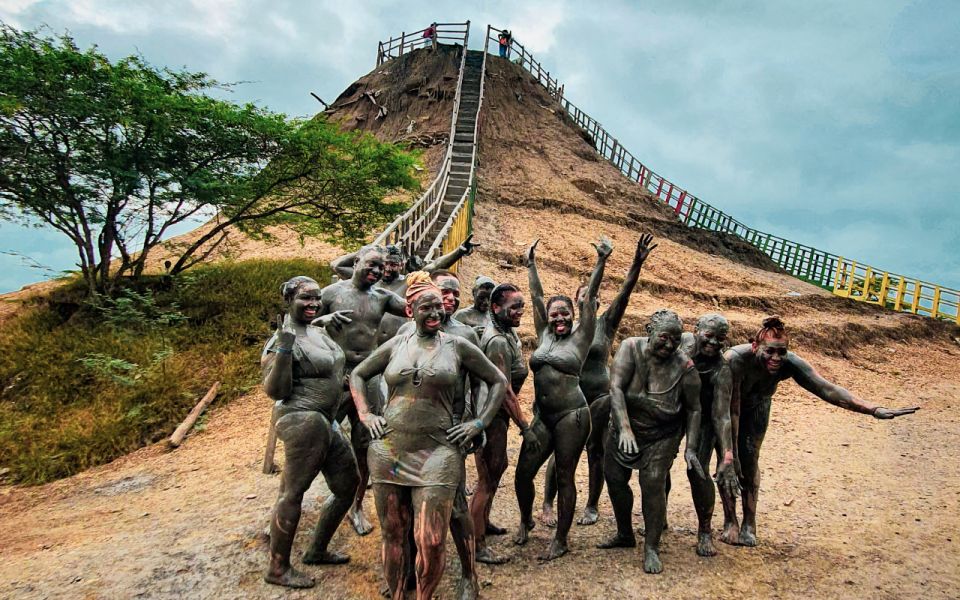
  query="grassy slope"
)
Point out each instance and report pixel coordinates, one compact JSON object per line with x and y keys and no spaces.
{"x":59,"y":416}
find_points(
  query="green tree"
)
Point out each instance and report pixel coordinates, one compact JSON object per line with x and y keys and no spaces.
{"x":113,"y":154}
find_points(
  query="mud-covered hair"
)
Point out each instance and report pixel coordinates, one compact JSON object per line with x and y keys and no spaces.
{"x":394,"y":251}
{"x":662,"y":318}
{"x":369,"y":248}
{"x":435,"y":275}
{"x":715,"y":320}
{"x":771,"y":327}
{"x":500,"y":292}
{"x":560,"y":298}
{"x":289,"y":287}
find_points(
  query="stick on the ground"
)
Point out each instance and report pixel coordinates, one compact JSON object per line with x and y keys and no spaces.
{"x":177,"y":438}
{"x":268,"y":464}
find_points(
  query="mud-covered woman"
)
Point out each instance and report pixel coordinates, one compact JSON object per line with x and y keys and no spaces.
{"x":757,"y":369}
{"x":415,"y":459}
{"x":561,"y":422}
{"x":654,"y":397}
{"x":502,"y":346}
{"x":595,"y":383}
{"x":303,"y":371}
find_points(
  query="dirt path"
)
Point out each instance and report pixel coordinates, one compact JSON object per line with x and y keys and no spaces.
{"x":850,"y":507}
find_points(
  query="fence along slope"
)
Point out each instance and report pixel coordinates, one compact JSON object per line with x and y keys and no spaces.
{"x":842,"y":276}
{"x":417,"y":231}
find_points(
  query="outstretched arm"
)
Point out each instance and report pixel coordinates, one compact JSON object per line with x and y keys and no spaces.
{"x":614,"y":312}
{"x":536,"y":290}
{"x":621,"y":374}
{"x":373,"y":365}
{"x":343,"y":266}
{"x":691,"y":405}
{"x":448,"y":260}
{"x":813,"y":382}
{"x":588,"y":318}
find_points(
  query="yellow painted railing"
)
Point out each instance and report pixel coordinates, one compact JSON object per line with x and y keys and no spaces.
{"x":896,"y":292}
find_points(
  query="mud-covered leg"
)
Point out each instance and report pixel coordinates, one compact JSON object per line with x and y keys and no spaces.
{"x":599,"y":419}
{"x":704,"y":496}
{"x":653,"y":497}
{"x":548,"y":517}
{"x":340,"y":471}
{"x":360,"y":440}
{"x":753,"y":428}
{"x":432,"y":507}
{"x":461,"y":530}
{"x":306,"y":439}
{"x":570,"y":436}
{"x":396,"y":516}
{"x":528,"y":464}
{"x":491,"y":464}
{"x":617,"y":477}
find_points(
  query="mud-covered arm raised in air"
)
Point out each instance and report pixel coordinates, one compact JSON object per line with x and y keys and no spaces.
{"x":536,"y":290}
{"x":583,"y":336}
{"x":343,"y":266}
{"x":614,"y":313}
{"x":448,"y":260}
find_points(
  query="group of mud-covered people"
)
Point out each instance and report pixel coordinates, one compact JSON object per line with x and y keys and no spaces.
{"x":424,"y":385}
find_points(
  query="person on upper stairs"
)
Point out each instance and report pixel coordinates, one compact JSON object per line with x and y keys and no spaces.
{"x":504,"y":39}
{"x":431,"y":34}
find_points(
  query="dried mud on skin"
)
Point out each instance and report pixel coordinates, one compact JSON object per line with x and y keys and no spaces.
{"x":850,"y":507}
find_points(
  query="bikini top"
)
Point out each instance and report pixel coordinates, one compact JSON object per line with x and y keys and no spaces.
{"x":557,"y":356}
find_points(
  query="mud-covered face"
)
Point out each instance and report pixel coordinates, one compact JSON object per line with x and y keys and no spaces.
{"x":771,"y":352}
{"x":450,"y":290}
{"x":392,"y":268}
{"x":560,"y":318}
{"x":711,"y":339}
{"x":427,"y":312}
{"x":665,"y":339}
{"x":582,"y":295}
{"x":306,"y":304}
{"x":481,"y":298}
{"x":511,"y":310}
{"x":368,"y":268}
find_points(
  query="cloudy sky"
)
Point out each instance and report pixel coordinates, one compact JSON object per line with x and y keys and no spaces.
{"x":834,"y":124}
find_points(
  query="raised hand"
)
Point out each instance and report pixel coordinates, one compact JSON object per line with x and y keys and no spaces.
{"x":531,"y":253}
{"x":604,"y":247}
{"x":466,"y":248}
{"x":890,"y":413}
{"x":644,"y":248}
{"x":336,"y":320}
{"x":693,"y":463}
{"x":286,"y":334}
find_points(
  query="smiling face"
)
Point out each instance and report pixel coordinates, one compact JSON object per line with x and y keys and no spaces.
{"x":560,"y":318}
{"x":392,"y":268}
{"x":368,"y":268}
{"x":711,"y":338}
{"x":510,"y":311}
{"x":450,"y":290}
{"x":481,"y":297}
{"x":770,"y":352}
{"x":306,"y":303}
{"x":427,"y":312}
{"x":665,"y":339}
{"x":581,"y":295}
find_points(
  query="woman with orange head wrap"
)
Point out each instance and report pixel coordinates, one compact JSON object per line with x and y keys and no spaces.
{"x":415,"y":458}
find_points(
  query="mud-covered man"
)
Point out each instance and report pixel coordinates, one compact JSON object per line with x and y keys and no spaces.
{"x":357,"y":336}
{"x":757,"y":369}
{"x":654,"y":393}
{"x":478,"y":315}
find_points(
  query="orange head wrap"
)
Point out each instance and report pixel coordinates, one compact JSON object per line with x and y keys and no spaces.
{"x":418,"y":283}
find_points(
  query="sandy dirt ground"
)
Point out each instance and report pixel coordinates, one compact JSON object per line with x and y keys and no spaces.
{"x":850,"y":507}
